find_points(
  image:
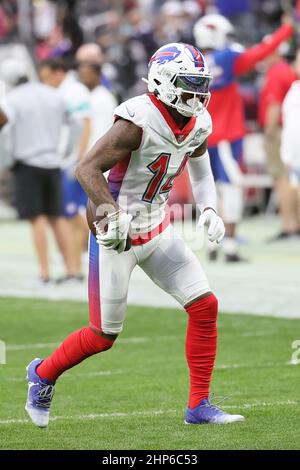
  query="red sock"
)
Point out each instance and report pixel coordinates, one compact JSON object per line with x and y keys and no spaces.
{"x":201,"y":346}
{"x":75,"y":348}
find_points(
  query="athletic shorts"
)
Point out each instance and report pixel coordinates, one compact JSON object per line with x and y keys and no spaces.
{"x":74,"y":197}
{"x":38,"y":191}
{"x":226,"y":161}
{"x":275,"y":166}
{"x":165,"y":258}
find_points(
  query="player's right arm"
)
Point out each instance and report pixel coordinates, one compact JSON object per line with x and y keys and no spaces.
{"x":123,"y":138}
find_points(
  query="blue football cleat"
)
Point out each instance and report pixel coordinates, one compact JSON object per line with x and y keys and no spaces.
{"x":206,"y":413}
{"x":40,"y":394}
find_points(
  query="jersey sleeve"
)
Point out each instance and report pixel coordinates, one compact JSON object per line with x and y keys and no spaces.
{"x":134,"y":110}
{"x":204,"y":127}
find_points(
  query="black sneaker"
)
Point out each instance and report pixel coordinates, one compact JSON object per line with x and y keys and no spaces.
{"x":282,"y":236}
{"x":213,"y":255}
{"x":70,"y":279}
{"x":235,"y":258}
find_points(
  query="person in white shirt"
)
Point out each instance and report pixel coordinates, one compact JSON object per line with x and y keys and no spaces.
{"x":103,"y":102}
{"x":32,"y":115}
{"x":290,"y":141}
{"x":92,"y":53}
{"x":54,"y":72}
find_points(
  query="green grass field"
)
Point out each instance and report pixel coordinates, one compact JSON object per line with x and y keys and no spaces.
{"x":134,"y":396}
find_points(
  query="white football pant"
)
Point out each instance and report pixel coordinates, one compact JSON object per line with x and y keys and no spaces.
{"x":166,"y":259}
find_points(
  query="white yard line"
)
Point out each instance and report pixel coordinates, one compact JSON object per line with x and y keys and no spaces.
{"x":262,"y":404}
{"x":108,"y":373}
{"x":24,"y":347}
{"x":101,"y":373}
{"x":247,"y":366}
{"x":250,"y":334}
{"x":95,"y":416}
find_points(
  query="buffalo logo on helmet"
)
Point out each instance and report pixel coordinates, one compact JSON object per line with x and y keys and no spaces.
{"x":165,"y":55}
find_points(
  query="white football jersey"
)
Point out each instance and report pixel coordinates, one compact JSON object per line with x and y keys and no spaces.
{"x":141,"y":183}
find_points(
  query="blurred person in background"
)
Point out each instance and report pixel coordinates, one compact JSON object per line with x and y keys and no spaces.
{"x":56,"y":29}
{"x":92,"y":53}
{"x":277,"y":81}
{"x":103,"y":102}
{"x":34,"y":114}
{"x":239,"y":14}
{"x":176,"y":20}
{"x":127,"y":41}
{"x":169,"y":22}
{"x":290,"y":142}
{"x":192,"y":10}
{"x":72,"y":34}
{"x":227,"y":62}
{"x":138,"y":44}
{"x":54,"y":72}
{"x":8,"y":20}
{"x":108,"y":37}
{"x":44,"y":18}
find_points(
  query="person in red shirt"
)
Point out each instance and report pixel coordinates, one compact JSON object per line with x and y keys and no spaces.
{"x":228,"y":62}
{"x":278,"y":79}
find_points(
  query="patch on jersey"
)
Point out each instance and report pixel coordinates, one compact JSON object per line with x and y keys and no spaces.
{"x":165,"y":55}
{"x":197,"y":56}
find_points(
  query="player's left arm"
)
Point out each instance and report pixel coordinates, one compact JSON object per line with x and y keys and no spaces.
{"x":246,"y":61}
{"x":205,"y":194}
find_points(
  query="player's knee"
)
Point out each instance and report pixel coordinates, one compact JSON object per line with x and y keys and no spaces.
{"x":205,"y":307}
{"x":99,"y":341}
{"x":108,"y":344}
{"x":212,"y":303}
{"x":111,"y":327}
{"x":110,"y":336}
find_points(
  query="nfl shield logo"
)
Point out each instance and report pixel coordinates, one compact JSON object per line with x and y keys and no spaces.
{"x":180,"y":138}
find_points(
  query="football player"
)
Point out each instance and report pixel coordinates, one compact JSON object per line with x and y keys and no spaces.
{"x":227,"y":62}
{"x":153,"y":137}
